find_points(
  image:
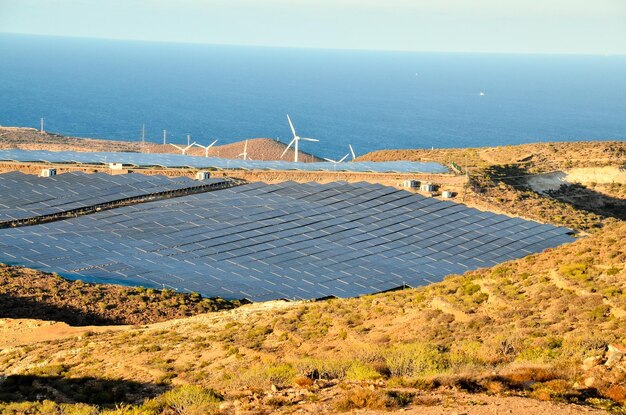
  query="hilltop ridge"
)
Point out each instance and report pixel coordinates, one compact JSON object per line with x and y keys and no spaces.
{"x":32,"y":139}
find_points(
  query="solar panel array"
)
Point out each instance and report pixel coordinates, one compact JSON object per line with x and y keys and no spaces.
{"x":24,"y":196}
{"x":264,"y":242}
{"x":176,"y":160}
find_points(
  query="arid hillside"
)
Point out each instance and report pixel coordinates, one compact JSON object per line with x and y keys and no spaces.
{"x":537,"y":327}
{"x":257,"y":148}
{"x":537,"y":157}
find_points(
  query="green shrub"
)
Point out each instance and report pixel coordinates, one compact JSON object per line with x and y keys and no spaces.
{"x":416,"y":359}
{"x":577,"y":271}
{"x":362,"y":371}
{"x":281,"y":374}
{"x":324,"y":368}
{"x":51,"y":370}
{"x":264,"y":375}
{"x":190,"y":400}
{"x":362,"y":398}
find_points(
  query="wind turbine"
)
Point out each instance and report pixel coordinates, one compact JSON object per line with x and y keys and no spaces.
{"x":245,"y":152}
{"x":338,"y":161}
{"x":295,"y":141}
{"x":206,"y":149}
{"x":184,"y":149}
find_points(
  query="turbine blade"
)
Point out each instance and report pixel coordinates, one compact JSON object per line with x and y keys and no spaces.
{"x":332,"y":161}
{"x":211,"y":145}
{"x":343,"y":158}
{"x":352,"y":151}
{"x":309,"y":139}
{"x":292,"y":141}
{"x":180,"y":148}
{"x":293,"y":130}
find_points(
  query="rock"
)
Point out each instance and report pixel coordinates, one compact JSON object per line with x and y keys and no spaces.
{"x":591,"y":362}
{"x":274,"y":388}
{"x":614,"y":347}
{"x":589,"y":381}
{"x":615,"y":353}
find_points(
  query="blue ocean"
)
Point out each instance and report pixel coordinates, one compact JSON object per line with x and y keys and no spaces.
{"x":370,"y":99}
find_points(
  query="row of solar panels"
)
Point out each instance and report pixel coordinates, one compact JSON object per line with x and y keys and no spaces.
{"x":24,"y":196}
{"x":176,"y":160}
{"x":264,"y":242}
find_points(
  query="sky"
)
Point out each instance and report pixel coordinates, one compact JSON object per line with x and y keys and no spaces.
{"x":507,"y":26}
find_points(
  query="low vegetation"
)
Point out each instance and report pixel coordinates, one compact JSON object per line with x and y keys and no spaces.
{"x":26,"y":293}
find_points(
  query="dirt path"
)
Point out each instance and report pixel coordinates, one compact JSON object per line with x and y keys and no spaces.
{"x":605,"y":175}
{"x":479,"y":404}
{"x":239,"y":314}
{"x":440,"y":304}
{"x":493,"y":299}
{"x":453,"y":403}
{"x":543,"y":182}
{"x":22,"y":332}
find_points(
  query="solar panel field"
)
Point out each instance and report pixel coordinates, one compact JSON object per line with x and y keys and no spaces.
{"x":25,"y":196}
{"x":293,"y":241}
{"x":175,"y":160}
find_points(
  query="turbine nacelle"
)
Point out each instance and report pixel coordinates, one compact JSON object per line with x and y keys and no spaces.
{"x":184,"y":149}
{"x":338,"y":161}
{"x":344,"y":157}
{"x":206,"y":148}
{"x":295,"y":141}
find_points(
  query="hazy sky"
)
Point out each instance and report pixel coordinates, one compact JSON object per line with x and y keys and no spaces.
{"x":542,"y":26}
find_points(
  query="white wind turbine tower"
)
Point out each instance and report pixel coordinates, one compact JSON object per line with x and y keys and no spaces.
{"x":245,"y":152}
{"x":206,"y":149}
{"x":184,"y":149}
{"x":295,"y":141}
